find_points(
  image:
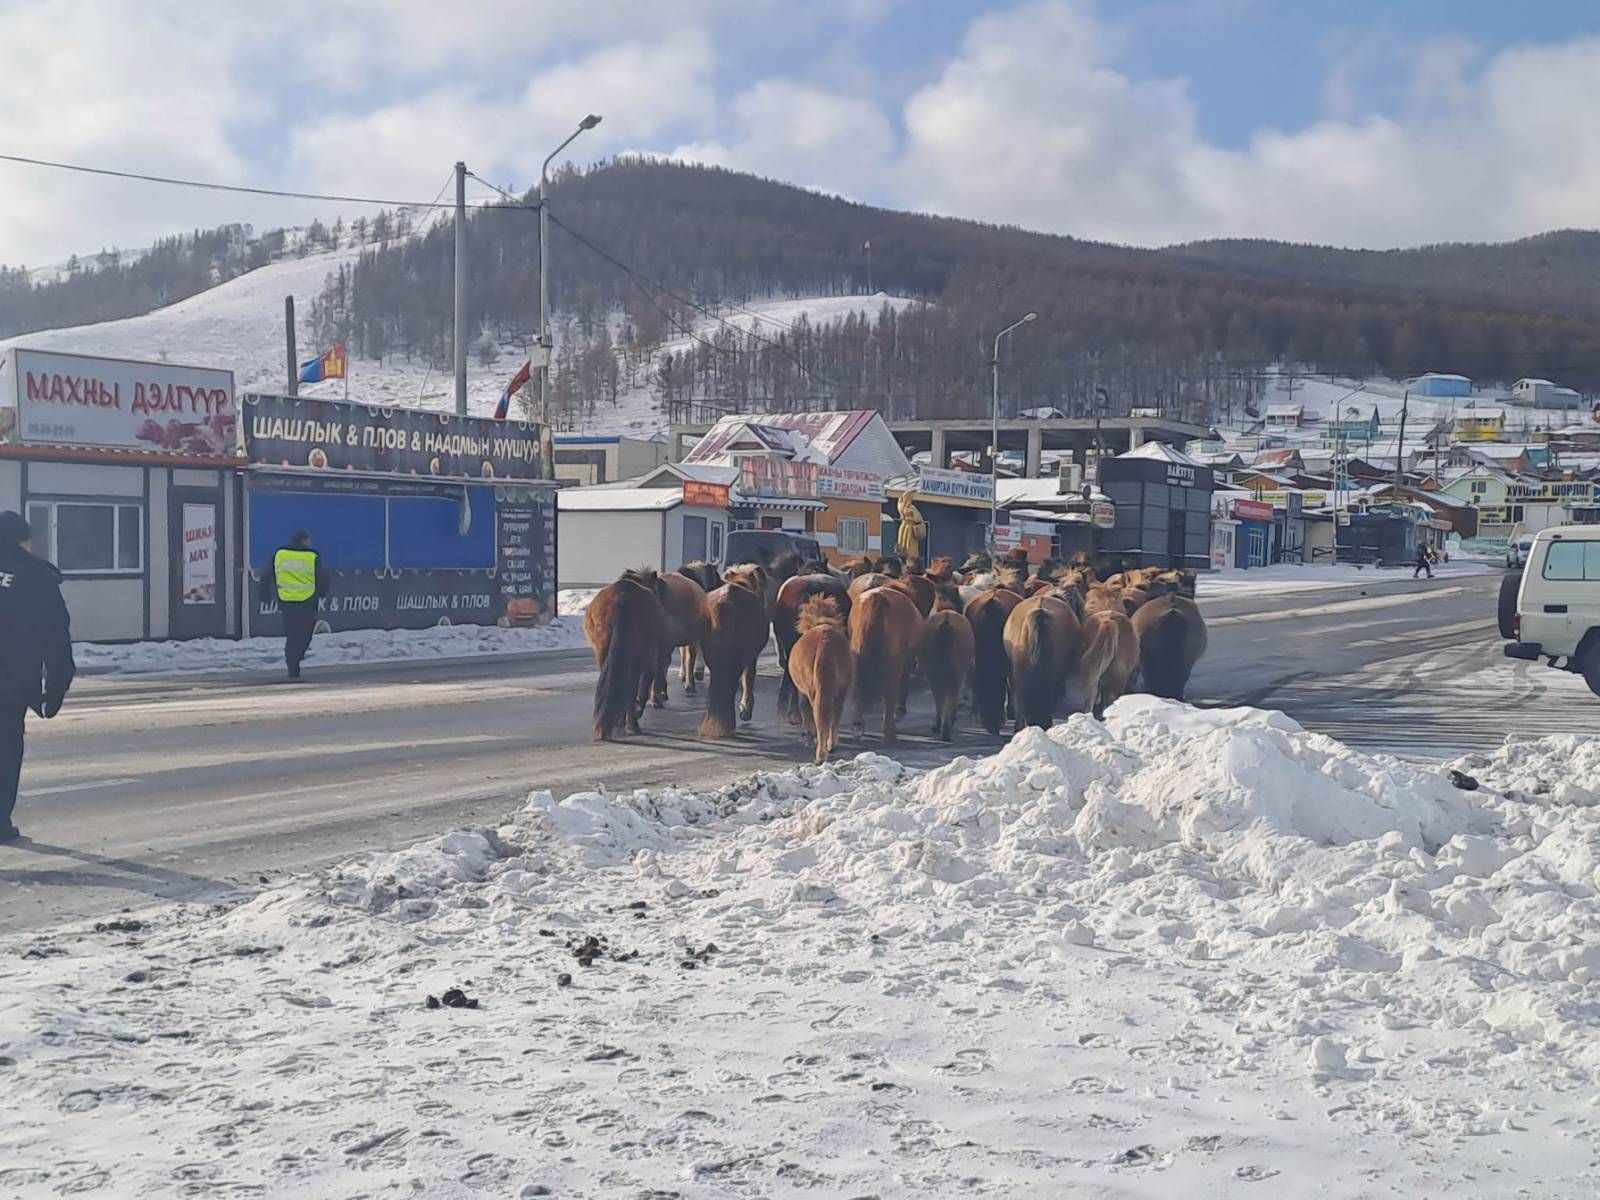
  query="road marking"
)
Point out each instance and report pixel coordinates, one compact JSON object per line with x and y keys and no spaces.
{"x":1338,"y":606}
{"x":76,"y":787}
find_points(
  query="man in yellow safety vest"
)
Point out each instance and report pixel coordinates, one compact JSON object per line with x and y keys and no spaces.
{"x":297,"y":581}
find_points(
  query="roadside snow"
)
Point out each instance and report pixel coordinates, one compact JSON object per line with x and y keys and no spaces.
{"x":1287,"y":578}
{"x":1177,"y":953}
{"x":571,"y":602}
{"x":327,"y":649}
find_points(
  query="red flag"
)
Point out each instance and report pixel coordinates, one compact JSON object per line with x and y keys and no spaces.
{"x":518,"y":381}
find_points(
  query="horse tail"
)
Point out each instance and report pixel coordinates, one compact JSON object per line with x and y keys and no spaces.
{"x":723,"y":667}
{"x":1036,"y":677}
{"x":871,"y":649}
{"x":614,"y":690}
{"x":818,"y":610}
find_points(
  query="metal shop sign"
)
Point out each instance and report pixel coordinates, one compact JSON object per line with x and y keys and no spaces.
{"x":705,"y":495}
{"x":958,"y":485}
{"x":841,"y":483}
{"x":302,"y":431}
{"x":1179,"y":475}
{"x":1252,"y":510}
{"x":781,"y":478}
{"x":1103,"y":514}
{"x":110,"y":403}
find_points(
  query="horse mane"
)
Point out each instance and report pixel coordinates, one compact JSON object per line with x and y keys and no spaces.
{"x":946,"y":596}
{"x":977,"y":562}
{"x":1012,"y":576}
{"x":891,"y":565}
{"x":819,"y":612}
{"x":747,"y":575}
{"x":1052,"y":569}
{"x":941,"y":570}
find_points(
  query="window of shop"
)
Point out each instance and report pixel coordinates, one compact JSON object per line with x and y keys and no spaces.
{"x":694,"y":539}
{"x":852,"y":535}
{"x":771,"y":522}
{"x":1258,"y":547}
{"x":715,"y":547}
{"x":86,"y":538}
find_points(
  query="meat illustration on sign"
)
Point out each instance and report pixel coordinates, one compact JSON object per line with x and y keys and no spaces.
{"x":214,"y":435}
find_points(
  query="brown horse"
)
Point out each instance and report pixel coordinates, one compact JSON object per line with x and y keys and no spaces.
{"x":991,"y":675}
{"x":854,"y":568}
{"x":1103,"y":597}
{"x":683,"y":604}
{"x":626,"y":626}
{"x":947,"y":651}
{"x":709,"y":579}
{"x":883,"y":635}
{"x":865,"y":583}
{"x":919,"y":587}
{"x":793,"y":595}
{"x":1044,"y":641}
{"x":1172,"y":637}
{"x":942,"y":570}
{"x":1110,"y":658}
{"x":823,"y":669}
{"x":736,"y":631}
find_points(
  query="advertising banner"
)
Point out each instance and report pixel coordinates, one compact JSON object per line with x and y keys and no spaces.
{"x":958,"y":485}
{"x":705,"y":495}
{"x":109,"y":403}
{"x":780,"y":478}
{"x":301,"y":431}
{"x":198,"y":574}
{"x":1252,"y":510}
{"x":841,"y":483}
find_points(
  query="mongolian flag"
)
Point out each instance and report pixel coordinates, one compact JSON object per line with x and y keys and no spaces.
{"x":329,"y":365}
{"x":516,"y":385}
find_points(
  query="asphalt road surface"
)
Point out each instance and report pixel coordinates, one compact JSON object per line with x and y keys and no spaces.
{"x":200,"y":788}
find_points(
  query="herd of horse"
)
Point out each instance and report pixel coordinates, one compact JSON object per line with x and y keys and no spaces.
{"x":1030,"y":644}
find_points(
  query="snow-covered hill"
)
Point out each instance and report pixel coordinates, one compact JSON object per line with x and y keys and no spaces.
{"x":238,"y":325}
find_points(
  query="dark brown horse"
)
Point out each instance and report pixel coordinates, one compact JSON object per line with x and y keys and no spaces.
{"x":1172,"y":637}
{"x":683,"y":603}
{"x":793,"y":595}
{"x":626,"y":626}
{"x":1044,"y":641}
{"x":710,"y":579}
{"x":991,"y":674}
{"x":823,"y":669}
{"x":883,"y":635}
{"x":736,"y":631}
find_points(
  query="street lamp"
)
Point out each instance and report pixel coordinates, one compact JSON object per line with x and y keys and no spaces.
{"x":994,"y":445}
{"x":544,"y":339}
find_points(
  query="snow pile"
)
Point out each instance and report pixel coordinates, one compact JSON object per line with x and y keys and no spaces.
{"x":1286,"y":578}
{"x":571,"y":602}
{"x":1181,"y":951}
{"x":327,"y":649}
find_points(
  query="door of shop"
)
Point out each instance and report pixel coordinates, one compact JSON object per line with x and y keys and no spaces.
{"x":197,"y":554}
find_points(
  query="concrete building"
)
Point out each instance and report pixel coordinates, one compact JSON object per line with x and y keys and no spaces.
{"x":1541,"y":393}
{"x":585,"y":460}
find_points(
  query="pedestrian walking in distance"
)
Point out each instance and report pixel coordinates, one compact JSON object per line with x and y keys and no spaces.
{"x":36,"y":665}
{"x":297,"y":581}
{"x":1424,"y":562}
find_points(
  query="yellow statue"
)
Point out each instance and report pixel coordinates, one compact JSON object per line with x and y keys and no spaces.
{"x":912,"y":528}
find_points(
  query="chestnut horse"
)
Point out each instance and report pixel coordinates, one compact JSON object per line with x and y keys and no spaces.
{"x":991,"y":675}
{"x":883,"y":635}
{"x":822,"y":669}
{"x":1044,"y":641}
{"x":793,"y":595}
{"x":683,"y":603}
{"x":919,"y":587}
{"x":626,"y":626}
{"x":1110,"y":658}
{"x":1172,"y":637}
{"x":735,"y":632}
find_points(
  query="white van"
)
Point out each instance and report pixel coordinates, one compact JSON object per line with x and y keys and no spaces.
{"x":1558,"y":602}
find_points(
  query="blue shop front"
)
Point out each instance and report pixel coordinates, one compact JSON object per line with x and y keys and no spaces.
{"x":421,"y":518}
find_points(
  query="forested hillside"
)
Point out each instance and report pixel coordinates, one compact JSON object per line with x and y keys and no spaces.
{"x":1188,"y":329}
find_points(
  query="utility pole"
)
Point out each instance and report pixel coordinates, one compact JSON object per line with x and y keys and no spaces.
{"x":1400,"y":446}
{"x":461,"y":289}
{"x":994,"y":446}
{"x":543,"y":343}
{"x":867,"y":246}
{"x":288,"y":333}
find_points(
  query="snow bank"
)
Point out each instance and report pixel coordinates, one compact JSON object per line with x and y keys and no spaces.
{"x":327,"y":649}
{"x":1178,"y":952}
{"x":1287,"y":578}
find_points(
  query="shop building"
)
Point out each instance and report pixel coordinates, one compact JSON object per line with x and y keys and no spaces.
{"x":128,"y":473}
{"x":1163,"y":508}
{"x":421,"y":518}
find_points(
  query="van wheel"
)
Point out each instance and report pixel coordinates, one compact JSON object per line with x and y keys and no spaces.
{"x":1509,"y":584}
{"x":1590,"y":664}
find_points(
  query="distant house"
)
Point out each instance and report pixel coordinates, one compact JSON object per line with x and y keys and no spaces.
{"x":1284,"y":416}
{"x":1353,"y":427}
{"x":1480,"y":423}
{"x":1446,"y":386}
{"x":1279,"y":460}
{"x":1541,"y":393}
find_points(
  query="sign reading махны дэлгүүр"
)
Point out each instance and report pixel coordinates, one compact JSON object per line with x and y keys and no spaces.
{"x":302,"y":431}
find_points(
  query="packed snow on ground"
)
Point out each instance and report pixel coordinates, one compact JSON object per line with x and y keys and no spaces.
{"x":571,"y":602}
{"x":1180,"y":953}
{"x":327,"y":649}
{"x":1286,"y":578}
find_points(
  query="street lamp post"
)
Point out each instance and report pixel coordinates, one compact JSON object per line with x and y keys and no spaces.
{"x":544,"y":339}
{"x":994,"y":432}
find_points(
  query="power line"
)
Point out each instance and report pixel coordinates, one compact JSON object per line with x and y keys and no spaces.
{"x":210,"y":186}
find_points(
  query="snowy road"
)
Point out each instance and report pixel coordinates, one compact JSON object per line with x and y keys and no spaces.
{"x":201,"y":787}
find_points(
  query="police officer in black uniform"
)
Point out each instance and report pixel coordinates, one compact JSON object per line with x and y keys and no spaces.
{"x":36,"y":665}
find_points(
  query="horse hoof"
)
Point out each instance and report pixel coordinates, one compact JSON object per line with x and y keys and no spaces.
{"x":746,"y":716}
{"x":659,"y":702}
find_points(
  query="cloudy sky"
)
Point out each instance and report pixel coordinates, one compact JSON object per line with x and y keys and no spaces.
{"x":1356,"y":122}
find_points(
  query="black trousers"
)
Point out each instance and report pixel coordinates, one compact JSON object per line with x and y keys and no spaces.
{"x":12,"y":717}
{"x":299,"y":618}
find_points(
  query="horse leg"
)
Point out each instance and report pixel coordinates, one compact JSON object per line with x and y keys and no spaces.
{"x":747,"y":701}
{"x":691,"y":668}
{"x":647,"y":675}
{"x":659,"y":696}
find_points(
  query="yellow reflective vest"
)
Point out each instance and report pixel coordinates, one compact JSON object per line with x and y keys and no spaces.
{"x":296,"y":575}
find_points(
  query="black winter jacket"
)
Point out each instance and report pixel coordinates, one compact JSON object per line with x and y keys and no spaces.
{"x":35,"y":638}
